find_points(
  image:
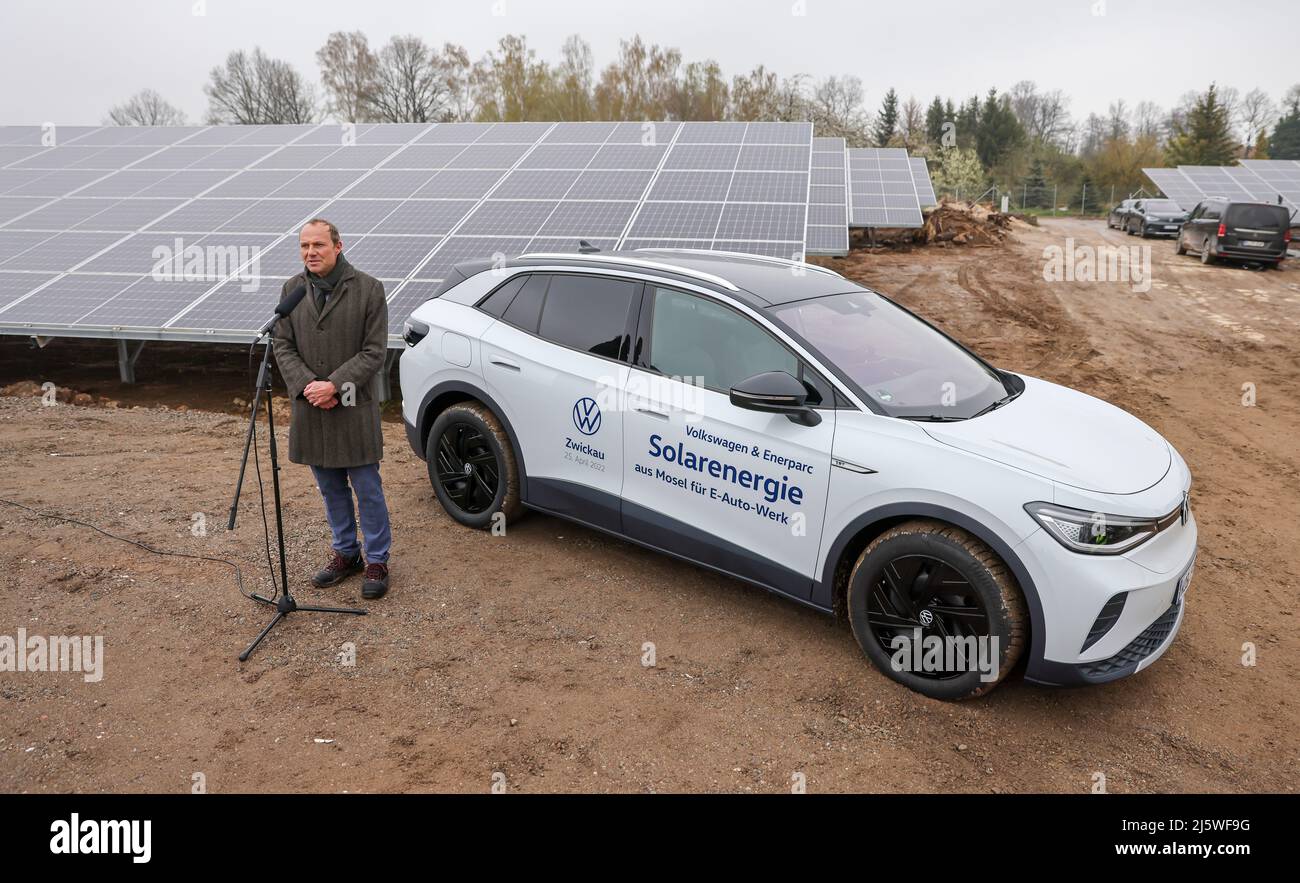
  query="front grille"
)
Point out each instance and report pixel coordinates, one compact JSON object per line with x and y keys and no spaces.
{"x":1138,"y":649}
{"x":1105,"y":620}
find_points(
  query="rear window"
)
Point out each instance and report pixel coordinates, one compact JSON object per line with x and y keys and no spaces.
{"x":1259,"y":217}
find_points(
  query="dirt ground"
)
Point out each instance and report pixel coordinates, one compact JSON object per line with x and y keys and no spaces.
{"x":521,"y":655}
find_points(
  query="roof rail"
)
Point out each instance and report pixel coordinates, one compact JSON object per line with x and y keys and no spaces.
{"x":755,"y":257}
{"x":636,"y":262}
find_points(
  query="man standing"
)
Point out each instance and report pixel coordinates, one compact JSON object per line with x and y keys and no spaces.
{"x":330,"y":350}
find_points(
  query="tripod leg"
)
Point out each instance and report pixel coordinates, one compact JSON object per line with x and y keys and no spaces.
{"x":243,"y":657}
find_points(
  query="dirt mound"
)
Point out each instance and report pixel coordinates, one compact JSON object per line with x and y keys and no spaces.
{"x":948,"y":224}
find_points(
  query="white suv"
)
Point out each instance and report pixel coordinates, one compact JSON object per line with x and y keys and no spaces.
{"x":778,"y":423}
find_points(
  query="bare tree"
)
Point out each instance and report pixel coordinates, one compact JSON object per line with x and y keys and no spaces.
{"x":911,"y":123}
{"x":641,"y":84}
{"x":1255,"y":112}
{"x":255,"y":89}
{"x":510,"y":84}
{"x":762,"y":95}
{"x":408,"y":86}
{"x":838,"y":109}
{"x":348,"y":69}
{"x":457,"y":73}
{"x":1043,"y":115}
{"x":1117,"y":122}
{"x":146,"y":108}
{"x":701,"y":93}
{"x":573,"y":80}
{"x":1148,"y":120}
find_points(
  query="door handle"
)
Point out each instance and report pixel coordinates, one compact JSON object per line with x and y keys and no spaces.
{"x":504,"y":363}
{"x":653,"y":413}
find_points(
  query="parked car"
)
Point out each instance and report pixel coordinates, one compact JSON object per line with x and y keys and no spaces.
{"x":1253,"y":232}
{"x":775,"y":422}
{"x":1154,"y":217}
{"x":1118,"y":216}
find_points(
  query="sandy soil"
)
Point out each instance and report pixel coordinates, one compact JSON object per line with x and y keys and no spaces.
{"x":521,"y":655}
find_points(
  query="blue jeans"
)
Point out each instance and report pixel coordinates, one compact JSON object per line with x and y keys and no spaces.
{"x":333,"y":484}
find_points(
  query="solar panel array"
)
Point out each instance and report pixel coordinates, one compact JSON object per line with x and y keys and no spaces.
{"x":882,"y":191}
{"x":188,"y":232}
{"x":1254,"y":180}
{"x":828,"y":221}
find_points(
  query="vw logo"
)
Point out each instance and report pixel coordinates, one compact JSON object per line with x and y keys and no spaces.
{"x":468,"y":469}
{"x":927,"y":618}
{"x":586,"y":416}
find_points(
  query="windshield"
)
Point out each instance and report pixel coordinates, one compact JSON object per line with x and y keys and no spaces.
{"x":1162,"y":205}
{"x":906,"y":367}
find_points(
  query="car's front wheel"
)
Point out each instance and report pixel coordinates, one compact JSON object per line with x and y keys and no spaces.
{"x":472,"y":466}
{"x":1179,"y":248}
{"x":936,"y":610}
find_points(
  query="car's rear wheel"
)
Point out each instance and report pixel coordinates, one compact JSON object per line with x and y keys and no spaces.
{"x":936,"y":610}
{"x":472,"y":466}
{"x":1207,"y":257}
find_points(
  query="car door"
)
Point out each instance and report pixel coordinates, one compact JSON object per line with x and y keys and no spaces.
{"x":556,"y":361}
{"x":740,"y":490}
{"x":1194,"y":229}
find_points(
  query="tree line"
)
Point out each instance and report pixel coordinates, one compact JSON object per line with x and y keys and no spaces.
{"x":1019,"y":139}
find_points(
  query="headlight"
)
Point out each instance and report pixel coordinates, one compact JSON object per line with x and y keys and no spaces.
{"x":1093,"y":533}
{"x":1150,"y":219}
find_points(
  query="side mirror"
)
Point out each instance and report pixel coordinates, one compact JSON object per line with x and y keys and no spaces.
{"x":775,"y":392}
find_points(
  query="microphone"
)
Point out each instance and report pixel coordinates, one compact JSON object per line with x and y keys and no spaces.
{"x":285,"y":307}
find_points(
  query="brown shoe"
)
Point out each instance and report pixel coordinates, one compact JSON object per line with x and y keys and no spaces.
{"x":376,"y":583}
{"x":337,"y":570}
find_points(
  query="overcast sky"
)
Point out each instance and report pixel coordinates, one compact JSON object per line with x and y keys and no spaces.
{"x":69,"y":61}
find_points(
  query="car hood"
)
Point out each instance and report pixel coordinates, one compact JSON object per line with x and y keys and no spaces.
{"x":1064,"y":436}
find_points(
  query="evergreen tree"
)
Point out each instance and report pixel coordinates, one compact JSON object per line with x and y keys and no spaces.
{"x":1262,"y":147}
{"x":887,"y":119}
{"x":934,"y":120}
{"x":1204,"y":136}
{"x":999,"y":131}
{"x":1035,"y":194}
{"x":1285,"y":143}
{"x":968,"y":122}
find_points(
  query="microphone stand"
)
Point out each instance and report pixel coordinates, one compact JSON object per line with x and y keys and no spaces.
{"x":286,"y":603}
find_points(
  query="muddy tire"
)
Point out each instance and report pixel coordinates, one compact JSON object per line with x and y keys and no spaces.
{"x":472,"y":466}
{"x":925,"y":579}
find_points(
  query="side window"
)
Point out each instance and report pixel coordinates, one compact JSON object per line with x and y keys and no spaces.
{"x":589,"y":313}
{"x":525,"y":309}
{"x":1212,"y":211}
{"x":704,"y":342}
{"x":497,"y":302}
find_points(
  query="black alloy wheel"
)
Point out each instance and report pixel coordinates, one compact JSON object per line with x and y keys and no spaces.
{"x":922,"y":592}
{"x":468,"y":470}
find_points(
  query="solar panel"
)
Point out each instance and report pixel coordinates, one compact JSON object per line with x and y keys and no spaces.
{"x":921,"y":180}
{"x":1175,"y":185}
{"x":882,"y":192}
{"x":828,"y":221}
{"x":84,"y":224}
{"x":1281,"y":176}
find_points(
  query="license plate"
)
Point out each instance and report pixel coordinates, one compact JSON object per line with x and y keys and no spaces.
{"x":1170,"y":227}
{"x":1253,"y":243}
{"x":1183,"y":582}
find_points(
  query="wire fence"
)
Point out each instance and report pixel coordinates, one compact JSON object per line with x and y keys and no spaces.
{"x":1044,"y":196}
